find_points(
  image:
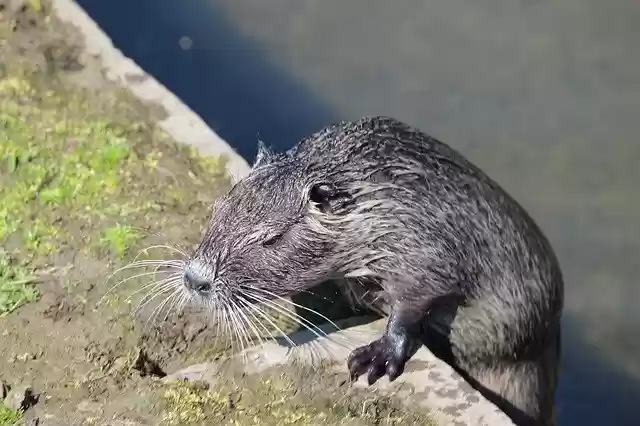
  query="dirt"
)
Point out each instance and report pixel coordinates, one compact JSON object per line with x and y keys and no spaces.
{"x":87,"y":182}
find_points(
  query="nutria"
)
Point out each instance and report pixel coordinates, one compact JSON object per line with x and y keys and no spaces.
{"x":452,"y":259}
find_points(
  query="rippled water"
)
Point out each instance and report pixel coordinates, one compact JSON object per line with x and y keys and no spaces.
{"x":545,"y":96}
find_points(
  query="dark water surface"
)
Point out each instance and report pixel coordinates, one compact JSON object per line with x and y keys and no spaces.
{"x":545,"y":96}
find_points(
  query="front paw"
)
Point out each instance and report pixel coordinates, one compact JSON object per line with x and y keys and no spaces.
{"x":379,"y":357}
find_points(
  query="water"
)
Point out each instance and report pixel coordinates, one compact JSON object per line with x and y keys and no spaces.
{"x":545,"y":96}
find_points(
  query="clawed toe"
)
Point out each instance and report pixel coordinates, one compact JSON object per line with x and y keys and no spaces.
{"x":378,"y":358}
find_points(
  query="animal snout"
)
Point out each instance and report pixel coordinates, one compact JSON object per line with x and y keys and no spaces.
{"x":196,"y":279}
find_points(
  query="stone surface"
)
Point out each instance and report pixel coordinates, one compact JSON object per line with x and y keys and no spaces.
{"x":4,"y":389}
{"x":444,"y":392}
{"x":20,"y":398}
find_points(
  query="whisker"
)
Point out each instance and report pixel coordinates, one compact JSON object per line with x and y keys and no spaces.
{"x":146,"y":251}
{"x":290,"y":314}
{"x":236,"y":327}
{"x":183,"y":301}
{"x":269,"y":293}
{"x":260,"y":312}
{"x":224,"y":325}
{"x":159,"y":293}
{"x":306,"y":291}
{"x":227,"y":325}
{"x":155,"y":293}
{"x":248,"y":321}
{"x":217,"y":319}
{"x":158,"y":308}
{"x":246,"y":342}
{"x":329,"y":321}
{"x":170,"y":278}
{"x":149,"y":262}
{"x":138,"y":264}
{"x":144,"y":274}
{"x":317,"y":331}
{"x":251,"y":311}
{"x":223,"y":328}
{"x":167,"y":282}
{"x":254,"y":309}
{"x":171,"y":244}
{"x":177,"y":301}
{"x":179,"y":266}
{"x":166,"y":246}
{"x":305,"y":323}
{"x":229,"y":329}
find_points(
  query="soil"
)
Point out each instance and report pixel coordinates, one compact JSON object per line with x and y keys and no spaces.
{"x":87,"y":182}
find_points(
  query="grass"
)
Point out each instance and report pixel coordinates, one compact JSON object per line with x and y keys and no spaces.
{"x":71,"y":178}
{"x":120,"y":239}
{"x":55,"y":162}
{"x":9,"y":417}
{"x":15,"y":285}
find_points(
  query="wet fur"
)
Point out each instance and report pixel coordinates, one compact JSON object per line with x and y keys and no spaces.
{"x":419,"y":233}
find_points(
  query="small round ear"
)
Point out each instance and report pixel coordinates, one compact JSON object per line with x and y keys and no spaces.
{"x":263,"y":156}
{"x":327,"y":197}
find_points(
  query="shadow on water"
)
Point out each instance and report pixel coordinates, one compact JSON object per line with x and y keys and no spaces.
{"x":234,"y":87}
{"x":227,"y":80}
{"x":591,"y":392}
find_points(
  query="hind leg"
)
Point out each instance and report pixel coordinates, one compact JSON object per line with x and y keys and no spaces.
{"x":515,"y":389}
{"x":524,"y":390}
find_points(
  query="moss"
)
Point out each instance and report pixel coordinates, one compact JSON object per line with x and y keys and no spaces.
{"x":72,"y":178}
{"x":282,"y":396}
{"x":120,"y":239}
{"x":15,"y":285}
{"x":9,"y":417}
{"x":56,"y":161}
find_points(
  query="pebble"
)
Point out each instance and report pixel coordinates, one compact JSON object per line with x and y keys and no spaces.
{"x":4,"y":389}
{"x":87,"y":406}
{"x":20,"y":398}
{"x":146,"y":366}
{"x":30,"y":419}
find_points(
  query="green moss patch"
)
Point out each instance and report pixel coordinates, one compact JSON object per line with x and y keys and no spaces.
{"x":284,"y":396}
{"x":72,"y":178}
{"x":9,"y":417}
{"x":15,"y":285}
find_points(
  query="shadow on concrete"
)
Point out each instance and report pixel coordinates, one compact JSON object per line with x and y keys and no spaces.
{"x":305,"y":337}
{"x":234,"y":87}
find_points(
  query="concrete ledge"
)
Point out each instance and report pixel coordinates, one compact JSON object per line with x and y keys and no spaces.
{"x":449,"y":396}
{"x":451,"y":399}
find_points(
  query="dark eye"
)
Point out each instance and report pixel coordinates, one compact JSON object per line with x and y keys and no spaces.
{"x":271,"y":240}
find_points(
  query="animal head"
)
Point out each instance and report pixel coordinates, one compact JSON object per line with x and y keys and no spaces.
{"x":263,"y":239}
